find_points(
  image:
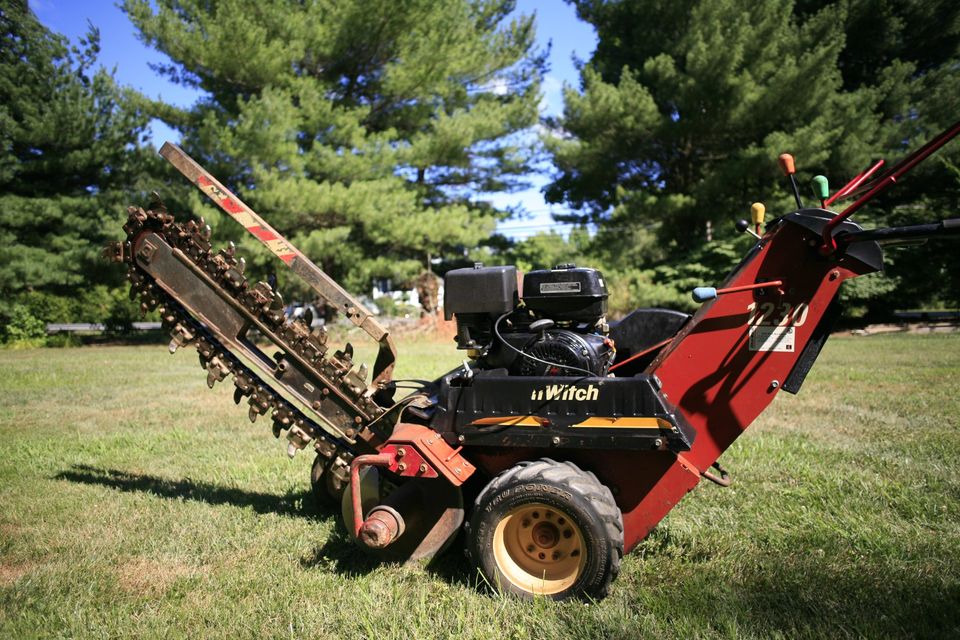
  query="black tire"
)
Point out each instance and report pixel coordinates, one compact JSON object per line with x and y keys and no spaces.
{"x":326,"y":490}
{"x":546,"y":528}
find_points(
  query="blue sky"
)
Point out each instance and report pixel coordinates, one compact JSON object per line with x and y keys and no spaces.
{"x":120,"y":49}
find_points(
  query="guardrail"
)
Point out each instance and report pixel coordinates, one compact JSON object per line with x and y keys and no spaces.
{"x":95,"y":327}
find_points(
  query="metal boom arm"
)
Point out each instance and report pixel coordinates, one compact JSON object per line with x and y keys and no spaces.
{"x":331,"y":292}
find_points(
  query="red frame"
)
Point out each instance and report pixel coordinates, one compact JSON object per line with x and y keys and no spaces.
{"x":714,"y":379}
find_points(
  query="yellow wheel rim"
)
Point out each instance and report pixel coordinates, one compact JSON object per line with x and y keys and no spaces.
{"x":539,"y":549}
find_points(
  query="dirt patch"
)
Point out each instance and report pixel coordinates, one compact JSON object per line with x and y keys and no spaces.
{"x":10,"y":573}
{"x":141,"y":576}
{"x":428,"y":327}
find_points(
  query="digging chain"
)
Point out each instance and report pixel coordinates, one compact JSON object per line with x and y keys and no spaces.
{"x":263,"y":304}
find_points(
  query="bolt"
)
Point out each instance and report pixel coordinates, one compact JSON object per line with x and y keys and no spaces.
{"x":457,"y":470}
{"x":349,"y":433}
{"x":555,"y":440}
{"x":402,"y":467}
{"x":401,"y":452}
{"x":775,"y":384}
{"x":657,"y":443}
{"x":423,"y":468}
{"x":461,"y":438}
{"x":834,"y":274}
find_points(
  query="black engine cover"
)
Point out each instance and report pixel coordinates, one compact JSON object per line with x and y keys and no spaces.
{"x":566,"y":293}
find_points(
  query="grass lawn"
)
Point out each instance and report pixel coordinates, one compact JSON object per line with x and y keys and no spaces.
{"x":136,"y":502}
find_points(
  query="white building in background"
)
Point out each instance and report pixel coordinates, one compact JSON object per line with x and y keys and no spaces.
{"x":385,"y":287}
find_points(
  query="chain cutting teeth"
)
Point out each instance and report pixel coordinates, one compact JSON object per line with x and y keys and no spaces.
{"x":181,"y":336}
{"x":216,"y":371}
{"x":193,"y":240}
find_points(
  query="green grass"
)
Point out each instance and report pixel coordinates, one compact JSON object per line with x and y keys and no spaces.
{"x":135,"y":502}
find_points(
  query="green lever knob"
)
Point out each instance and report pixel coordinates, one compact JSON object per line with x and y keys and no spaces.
{"x":821,"y":188}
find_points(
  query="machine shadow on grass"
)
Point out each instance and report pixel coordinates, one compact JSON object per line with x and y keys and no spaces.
{"x":338,"y":553}
{"x":298,"y":504}
{"x":774,"y":593}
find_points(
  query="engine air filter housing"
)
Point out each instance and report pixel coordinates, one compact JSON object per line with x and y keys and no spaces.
{"x":566,"y":292}
{"x":480,"y":290}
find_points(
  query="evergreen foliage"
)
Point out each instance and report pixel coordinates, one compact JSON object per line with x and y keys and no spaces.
{"x":685,"y":105}
{"x":70,"y":157}
{"x":360,"y":129}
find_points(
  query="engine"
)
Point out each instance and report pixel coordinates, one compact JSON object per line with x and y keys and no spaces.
{"x":557,"y":327}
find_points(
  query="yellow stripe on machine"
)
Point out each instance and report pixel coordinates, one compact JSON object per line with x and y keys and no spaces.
{"x":623,"y":423}
{"x":510,"y":421}
{"x":589,"y":423}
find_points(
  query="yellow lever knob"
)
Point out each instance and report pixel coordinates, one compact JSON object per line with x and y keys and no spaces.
{"x":757,"y":211}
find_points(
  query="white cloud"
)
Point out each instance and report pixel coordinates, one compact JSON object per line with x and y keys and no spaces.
{"x":551,"y":103}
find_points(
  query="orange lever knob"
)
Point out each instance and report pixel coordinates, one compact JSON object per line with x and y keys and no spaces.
{"x":786,"y":164}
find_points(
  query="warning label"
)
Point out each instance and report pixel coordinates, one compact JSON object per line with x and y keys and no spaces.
{"x":771,"y":338}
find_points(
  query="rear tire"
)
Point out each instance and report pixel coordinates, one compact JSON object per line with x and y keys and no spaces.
{"x":547,"y":528}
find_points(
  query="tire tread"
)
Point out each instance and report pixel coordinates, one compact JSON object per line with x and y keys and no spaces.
{"x":575,"y":480}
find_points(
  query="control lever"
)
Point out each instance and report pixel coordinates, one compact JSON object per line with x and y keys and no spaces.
{"x":789,"y":169}
{"x":821,"y":190}
{"x":742,"y":226}
{"x":702,"y":294}
{"x":757,"y":212}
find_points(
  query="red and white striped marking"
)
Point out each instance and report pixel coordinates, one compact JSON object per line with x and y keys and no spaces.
{"x":277,"y":245}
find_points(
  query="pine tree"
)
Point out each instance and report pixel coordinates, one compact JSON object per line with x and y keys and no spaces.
{"x":685,"y":105}
{"x":361,"y":129}
{"x":69,"y":160}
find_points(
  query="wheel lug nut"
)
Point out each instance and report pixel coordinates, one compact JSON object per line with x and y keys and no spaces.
{"x":530,"y":548}
{"x":525,"y":524}
{"x":556,"y":555}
